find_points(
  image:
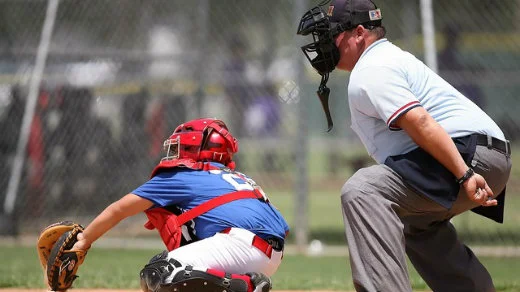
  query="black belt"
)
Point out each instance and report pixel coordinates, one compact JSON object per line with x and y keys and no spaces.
{"x":276,"y":243}
{"x":492,"y":142}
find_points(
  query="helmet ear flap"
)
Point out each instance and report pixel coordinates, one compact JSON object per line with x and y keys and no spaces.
{"x":215,"y":141}
{"x":221,"y":128}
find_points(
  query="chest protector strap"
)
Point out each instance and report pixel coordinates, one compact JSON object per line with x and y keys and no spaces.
{"x":169,"y":225}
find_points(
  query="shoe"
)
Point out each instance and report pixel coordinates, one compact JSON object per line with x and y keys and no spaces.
{"x":261,"y":282}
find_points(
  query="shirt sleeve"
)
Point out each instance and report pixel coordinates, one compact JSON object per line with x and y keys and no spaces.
{"x":165,"y":190}
{"x":388,"y":91}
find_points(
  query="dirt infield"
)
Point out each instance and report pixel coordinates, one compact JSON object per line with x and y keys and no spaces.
{"x":71,"y":290}
{"x":117,"y":290}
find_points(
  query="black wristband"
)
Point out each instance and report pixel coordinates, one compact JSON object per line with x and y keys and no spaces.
{"x":469,"y":173}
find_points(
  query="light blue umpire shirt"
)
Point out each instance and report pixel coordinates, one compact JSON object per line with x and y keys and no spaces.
{"x":387,"y":82}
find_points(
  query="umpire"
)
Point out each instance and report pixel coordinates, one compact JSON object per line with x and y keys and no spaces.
{"x":438,"y":155}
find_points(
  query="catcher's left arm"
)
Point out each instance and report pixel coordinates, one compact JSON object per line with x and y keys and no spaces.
{"x":60,"y":262}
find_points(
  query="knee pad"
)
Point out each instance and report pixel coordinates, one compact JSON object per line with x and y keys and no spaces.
{"x":156,"y":271}
{"x":194,"y":280}
{"x":156,"y":275}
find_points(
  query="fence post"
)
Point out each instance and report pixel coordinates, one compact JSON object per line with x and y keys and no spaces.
{"x":30,"y":107}
{"x":301,"y":196}
{"x":428,"y":28}
{"x":202,"y":35}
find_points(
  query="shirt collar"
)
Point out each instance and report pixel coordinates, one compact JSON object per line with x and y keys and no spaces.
{"x":383,"y":40}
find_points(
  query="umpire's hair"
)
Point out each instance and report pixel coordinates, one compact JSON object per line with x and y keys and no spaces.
{"x":379,"y":32}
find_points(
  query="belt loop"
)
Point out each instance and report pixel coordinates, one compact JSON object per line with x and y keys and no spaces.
{"x":489,"y":142}
{"x":508,"y":148}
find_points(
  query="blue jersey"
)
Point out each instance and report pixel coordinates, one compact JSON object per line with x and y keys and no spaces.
{"x":186,"y":188}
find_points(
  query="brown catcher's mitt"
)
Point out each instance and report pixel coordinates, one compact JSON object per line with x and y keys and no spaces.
{"x":59,"y":262}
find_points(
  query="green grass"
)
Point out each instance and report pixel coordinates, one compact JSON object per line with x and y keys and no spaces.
{"x":119,"y":269}
{"x":103,"y":268}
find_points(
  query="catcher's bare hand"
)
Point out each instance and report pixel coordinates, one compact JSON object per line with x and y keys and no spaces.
{"x":478,"y":191}
{"x":82,"y":243}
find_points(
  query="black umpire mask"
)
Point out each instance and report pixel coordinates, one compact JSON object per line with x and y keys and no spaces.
{"x":322,"y":53}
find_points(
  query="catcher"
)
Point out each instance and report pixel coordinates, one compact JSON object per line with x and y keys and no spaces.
{"x":220,"y":230}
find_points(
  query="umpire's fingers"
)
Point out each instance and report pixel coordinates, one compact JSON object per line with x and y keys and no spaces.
{"x":481,"y":183}
{"x":483,"y":194}
{"x":488,"y":200}
{"x":480,"y":196}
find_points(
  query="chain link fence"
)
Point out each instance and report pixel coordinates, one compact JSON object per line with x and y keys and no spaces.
{"x":118,"y":76}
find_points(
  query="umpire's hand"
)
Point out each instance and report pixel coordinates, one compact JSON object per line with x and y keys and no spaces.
{"x":478,"y":191}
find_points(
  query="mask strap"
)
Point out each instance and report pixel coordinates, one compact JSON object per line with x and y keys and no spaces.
{"x":323,"y":93}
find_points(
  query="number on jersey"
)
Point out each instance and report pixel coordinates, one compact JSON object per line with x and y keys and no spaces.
{"x":241,"y":182}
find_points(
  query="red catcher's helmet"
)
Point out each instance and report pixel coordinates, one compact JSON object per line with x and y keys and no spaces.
{"x":198,"y":141}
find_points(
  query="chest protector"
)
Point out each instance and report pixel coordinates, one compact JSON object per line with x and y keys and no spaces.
{"x":169,"y":225}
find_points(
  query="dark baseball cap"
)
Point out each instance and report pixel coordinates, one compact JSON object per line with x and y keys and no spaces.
{"x":347,"y":14}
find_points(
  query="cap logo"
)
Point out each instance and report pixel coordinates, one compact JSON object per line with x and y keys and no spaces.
{"x":375,"y":14}
{"x":331,"y":9}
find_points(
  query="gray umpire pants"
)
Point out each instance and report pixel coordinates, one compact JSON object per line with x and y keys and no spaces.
{"x":385,"y":221}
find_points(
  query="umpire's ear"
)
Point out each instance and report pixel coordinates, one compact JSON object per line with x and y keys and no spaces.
{"x":360,"y":33}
